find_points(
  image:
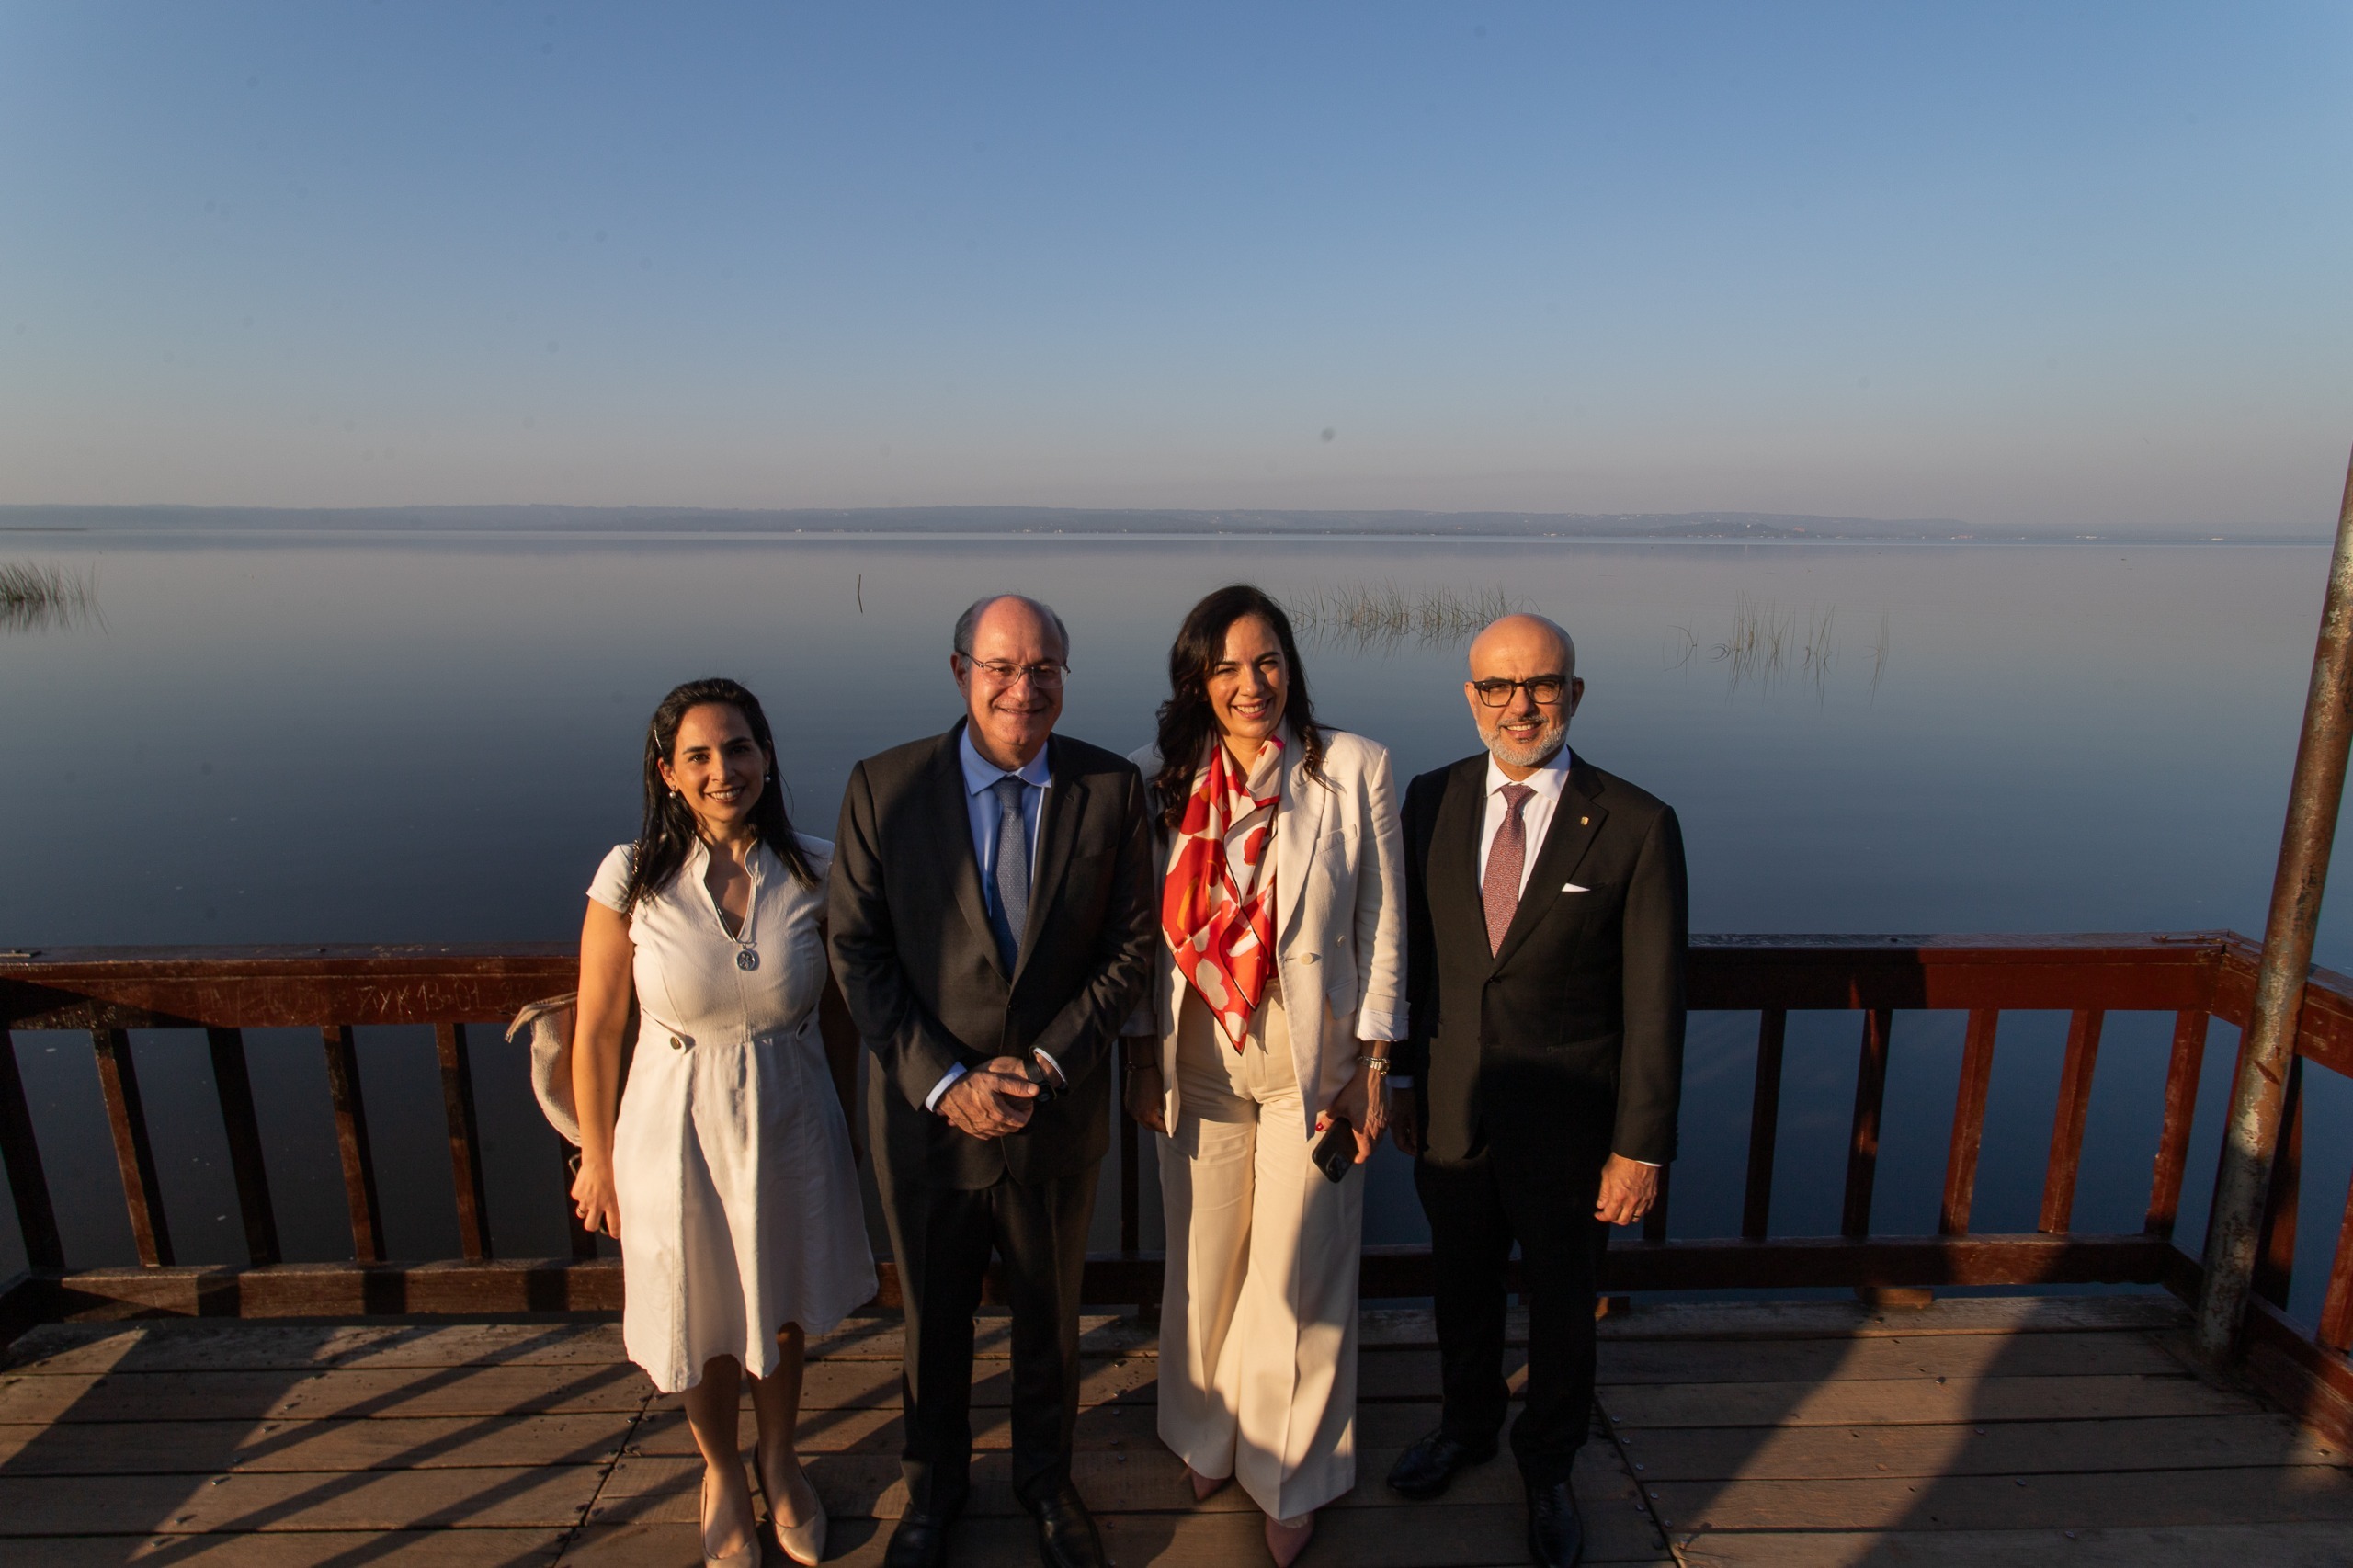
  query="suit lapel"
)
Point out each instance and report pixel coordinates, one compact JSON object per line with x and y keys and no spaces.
{"x":952,"y":818}
{"x":1299,"y":823}
{"x":1057,"y":826}
{"x":1576,"y":819}
{"x":1455,"y":905}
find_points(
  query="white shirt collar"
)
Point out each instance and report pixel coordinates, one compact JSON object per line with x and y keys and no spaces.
{"x":980,"y":773}
{"x":698,"y":860}
{"x":1548,"y":780}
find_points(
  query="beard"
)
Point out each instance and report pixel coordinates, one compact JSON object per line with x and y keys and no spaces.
{"x":1503,"y":749}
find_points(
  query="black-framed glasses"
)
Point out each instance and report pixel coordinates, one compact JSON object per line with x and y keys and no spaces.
{"x":1542,"y":690}
{"x":1047,"y":677}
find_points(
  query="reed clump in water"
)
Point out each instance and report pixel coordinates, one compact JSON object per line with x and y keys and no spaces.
{"x":33,"y":597}
{"x":1371,"y":615}
{"x":1769,"y":644}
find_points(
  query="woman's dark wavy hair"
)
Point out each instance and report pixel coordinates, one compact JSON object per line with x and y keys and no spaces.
{"x":668,"y":834}
{"x":1187,"y":723}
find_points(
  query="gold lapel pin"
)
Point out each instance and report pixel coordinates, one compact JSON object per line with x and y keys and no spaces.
{"x":1584,"y":821}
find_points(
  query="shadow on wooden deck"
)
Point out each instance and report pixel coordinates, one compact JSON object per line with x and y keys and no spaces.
{"x":2006,"y":1431}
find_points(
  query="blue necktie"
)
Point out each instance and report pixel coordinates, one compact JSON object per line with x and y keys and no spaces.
{"x":1012,"y":871}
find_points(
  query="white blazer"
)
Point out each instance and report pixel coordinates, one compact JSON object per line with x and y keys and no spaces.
{"x":1339,"y":917}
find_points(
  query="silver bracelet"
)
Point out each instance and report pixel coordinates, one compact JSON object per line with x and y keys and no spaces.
{"x":1374,"y":1064}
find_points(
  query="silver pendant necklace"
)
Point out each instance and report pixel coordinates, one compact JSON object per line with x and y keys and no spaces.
{"x":748,"y":957}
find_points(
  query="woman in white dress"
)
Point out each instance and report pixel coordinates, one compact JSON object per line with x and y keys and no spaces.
{"x":727,"y":1175}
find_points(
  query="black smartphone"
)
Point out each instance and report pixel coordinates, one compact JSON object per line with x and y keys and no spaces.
{"x":1337,"y":1149}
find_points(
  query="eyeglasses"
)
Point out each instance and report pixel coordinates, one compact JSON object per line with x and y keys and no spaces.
{"x":1543,"y":690}
{"x":1005,"y":672}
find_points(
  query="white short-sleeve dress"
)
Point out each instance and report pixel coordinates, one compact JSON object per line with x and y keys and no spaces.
{"x":739,"y":1201}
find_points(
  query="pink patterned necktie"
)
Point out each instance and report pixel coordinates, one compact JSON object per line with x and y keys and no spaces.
{"x":1500,"y":891}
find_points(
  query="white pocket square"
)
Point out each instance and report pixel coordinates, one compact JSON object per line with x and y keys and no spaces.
{"x":1572,"y":887}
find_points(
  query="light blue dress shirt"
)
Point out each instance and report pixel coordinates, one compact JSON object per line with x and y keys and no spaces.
{"x":981,"y":810}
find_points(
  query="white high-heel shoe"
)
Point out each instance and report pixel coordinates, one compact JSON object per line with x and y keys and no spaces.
{"x":749,"y":1557}
{"x":803,"y":1543}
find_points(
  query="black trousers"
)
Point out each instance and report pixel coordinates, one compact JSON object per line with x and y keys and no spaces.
{"x":943,"y":1237}
{"x":1477,"y":1211}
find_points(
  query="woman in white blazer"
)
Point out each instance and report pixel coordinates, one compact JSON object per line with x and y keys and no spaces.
{"x":1280,"y":987}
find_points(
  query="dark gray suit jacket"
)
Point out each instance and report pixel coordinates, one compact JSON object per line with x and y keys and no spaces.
{"x":919,"y":965}
{"x":1566,"y":1044}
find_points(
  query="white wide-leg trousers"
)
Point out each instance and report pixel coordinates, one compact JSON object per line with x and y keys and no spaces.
{"x":1259,"y":1321}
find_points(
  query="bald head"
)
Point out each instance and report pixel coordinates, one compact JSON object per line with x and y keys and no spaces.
{"x":1020,"y":607}
{"x":1520,"y":639}
{"x":1523,"y":689}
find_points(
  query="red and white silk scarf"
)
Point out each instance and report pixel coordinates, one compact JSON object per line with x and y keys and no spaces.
{"x":1217,"y":907}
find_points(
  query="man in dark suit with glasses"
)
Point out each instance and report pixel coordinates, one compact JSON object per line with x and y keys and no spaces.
{"x":1547,"y":922}
{"x":992,"y":927}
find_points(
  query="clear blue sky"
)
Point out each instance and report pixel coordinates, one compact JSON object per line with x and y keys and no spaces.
{"x":2028,"y":264}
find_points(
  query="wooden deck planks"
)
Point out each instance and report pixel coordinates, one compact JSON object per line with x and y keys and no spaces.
{"x":1392,"y":1424}
{"x":164,"y":1447}
{"x":306,"y":1444}
{"x":262,"y":1396}
{"x":664,"y":1487}
{"x":2231,"y":1546}
{"x":545,"y":1496}
{"x":1759,"y":1321}
{"x":263,"y":1347}
{"x":230,"y":1345}
{"x":2279,"y":1494}
{"x":2009,"y":1447}
{"x":1831,"y":1434}
{"x":308,"y":1549}
{"x":1437,"y":1533}
{"x":1907,"y":1357}
{"x":1967,"y":1439}
{"x":1899,"y":1401}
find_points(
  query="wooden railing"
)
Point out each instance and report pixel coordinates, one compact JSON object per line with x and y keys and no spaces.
{"x":2198,"y":978}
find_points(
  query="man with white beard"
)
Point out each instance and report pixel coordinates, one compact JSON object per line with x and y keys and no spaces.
{"x":1547,"y":922}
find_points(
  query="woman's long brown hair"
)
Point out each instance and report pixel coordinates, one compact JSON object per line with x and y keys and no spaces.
{"x":1188,"y":724}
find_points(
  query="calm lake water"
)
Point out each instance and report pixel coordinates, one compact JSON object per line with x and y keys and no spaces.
{"x":357,"y":739}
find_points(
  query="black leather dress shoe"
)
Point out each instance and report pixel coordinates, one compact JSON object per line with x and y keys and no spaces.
{"x":1555,"y":1530}
{"x":920,"y":1541}
{"x":1067,"y":1536}
{"x":1430,"y":1467}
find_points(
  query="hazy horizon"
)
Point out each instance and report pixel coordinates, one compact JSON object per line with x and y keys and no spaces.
{"x":1007,"y":520}
{"x":2070,"y":270}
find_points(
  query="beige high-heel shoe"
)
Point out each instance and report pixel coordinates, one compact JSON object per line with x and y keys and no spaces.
{"x":749,"y":1557}
{"x":803,"y":1543}
{"x":1205,"y":1486}
{"x":1286,"y":1539}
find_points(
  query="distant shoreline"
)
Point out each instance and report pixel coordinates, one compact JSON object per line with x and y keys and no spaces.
{"x":25,"y":537}
{"x":1070,"y":523}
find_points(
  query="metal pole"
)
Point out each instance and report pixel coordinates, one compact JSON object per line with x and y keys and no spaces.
{"x":2251,"y":1136}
